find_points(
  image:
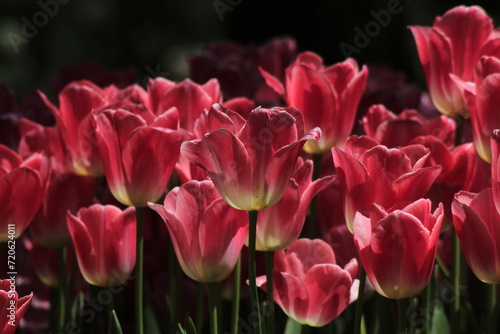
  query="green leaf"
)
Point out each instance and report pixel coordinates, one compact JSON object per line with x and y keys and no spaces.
{"x":439,"y":322}
{"x":293,"y":327}
{"x":114,"y":324}
{"x":189,"y":324}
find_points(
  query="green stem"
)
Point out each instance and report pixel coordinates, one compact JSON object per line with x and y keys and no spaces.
{"x":312,"y":228}
{"x":212,"y":306}
{"x":63,"y":288}
{"x":172,"y":288}
{"x":269,"y":287}
{"x":457,"y":273}
{"x":110,"y":308}
{"x":257,"y":324}
{"x":236,"y":297}
{"x":402,"y":315}
{"x":359,"y":302}
{"x":442,"y":267}
{"x":139,"y":303}
{"x":199,"y":306}
{"x":492,"y":318}
{"x":429,"y":297}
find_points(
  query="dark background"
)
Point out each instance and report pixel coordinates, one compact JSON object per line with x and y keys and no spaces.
{"x":154,"y":36}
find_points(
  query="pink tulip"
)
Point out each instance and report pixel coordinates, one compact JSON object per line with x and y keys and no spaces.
{"x":476,"y":222}
{"x":495,"y":168}
{"x":398,"y":248}
{"x":370,"y":173}
{"x":104,"y":240}
{"x":188,"y":97}
{"x":138,"y":156}
{"x":308,"y":284}
{"x":482,"y":97}
{"x":280,"y":225}
{"x":76,"y":103}
{"x":22,"y":188}
{"x":251,"y":165}
{"x":13,"y":307}
{"x":399,"y":130}
{"x":206,"y":232}
{"x":327,"y":96}
{"x":452,"y":46}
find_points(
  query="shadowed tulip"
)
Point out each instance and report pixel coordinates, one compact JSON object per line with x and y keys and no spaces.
{"x":251,"y":166}
{"x":104,"y":240}
{"x":397,"y":249}
{"x":12,"y":307}
{"x":328,"y":97}
{"x":207,"y":234}
{"x":452,"y":46}
{"x":138,"y":157}
{"x":308,"y":284}
{"x":476,"y":222}
{"x":371,"y":173}
{"x":280,"y":225}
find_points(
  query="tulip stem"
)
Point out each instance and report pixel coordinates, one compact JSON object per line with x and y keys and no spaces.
{"x":402,"y":315}
{"x":110,"y":308}
{"x":257,"y":324}
{"x":236,"y":296}
{"x":139,"y":315}
{"x":63,"y":288}
{"x":359,"y":303}
{"x":457,"y":272}
{"x":199,"y":307}
{"x":269,"y":288}
{"x":212,"y":306}
{"x":492,"y":311}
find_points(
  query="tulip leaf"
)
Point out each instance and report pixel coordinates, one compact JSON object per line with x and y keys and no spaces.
{"x":189,"y":327}
{"x":293,"y":327}
{"x":439,"y":322}
{"x":114,"y":324}
{"x":150,"y":323}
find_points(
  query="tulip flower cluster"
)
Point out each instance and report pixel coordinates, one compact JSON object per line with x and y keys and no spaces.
{"x":262,"y":165}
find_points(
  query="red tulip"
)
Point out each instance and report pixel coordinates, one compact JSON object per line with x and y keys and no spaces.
{"x":482,"y":97}
{"x":280,"y":225}
{"x":206,"y":232}
{"x":370,"y":173}
{"x":452,"y":46}
{"x":64,"y":192}
{"x":76,"y":102}
{"x":398,"y":248}
{"x":495,"y":168}
{"x":327,"y":96}
{"x":104,"y":240}
{"x":13,"y":307}
{"x":22,"y":188}
{"x":138,"y":157}
{"x":251,"y":166}
{"x":308,"y":284}
{"x":476,"y":223}
{"x":188,"y":97}
{"x":399,"y":130}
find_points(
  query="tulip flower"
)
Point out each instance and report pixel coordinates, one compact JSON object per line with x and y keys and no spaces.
{"x":399,"y":130}
{"x":397,"y":249}
{"x":188,"y":97}
{"x":206,"y":232}
{"x":476,"y":222}
{"x":104,"y":240}
{"x":495,"y":168}
{"x":370,"y":173}
{"x":452,"y":46}
{"x":76,"y":102}
{"x":327,"y":96}
{"x":308,"y":284}
{"x":280,"y":225}
{"x":13,"y":307}
{"x":482,"y":97}
{"x":251,"y":166}
{"x":22,"y":188}
{"x":138,"y":157}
